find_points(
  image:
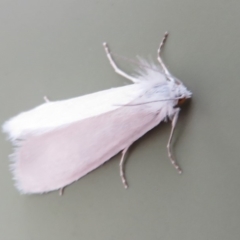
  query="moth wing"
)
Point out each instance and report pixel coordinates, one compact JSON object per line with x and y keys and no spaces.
{"x":57,"y":158}
{"x":56,"y":114}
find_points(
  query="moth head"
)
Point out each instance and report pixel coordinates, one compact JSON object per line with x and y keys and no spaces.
{"x":179,"y":90}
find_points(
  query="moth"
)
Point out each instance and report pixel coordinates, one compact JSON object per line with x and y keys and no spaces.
{"x":59,"y":142}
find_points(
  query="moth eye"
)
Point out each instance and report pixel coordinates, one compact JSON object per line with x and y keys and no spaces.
{"x":181,"y":101}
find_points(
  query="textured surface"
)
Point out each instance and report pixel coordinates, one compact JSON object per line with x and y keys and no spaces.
{"x":54,"y":48}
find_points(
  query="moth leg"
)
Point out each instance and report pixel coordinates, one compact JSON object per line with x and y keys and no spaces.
{"x":115,"y":67}
{"x":61,"y":191}
{"x":45,"y":98}
{"x":170,"y":155}
{"x":159,"y":55}
{"x":122,"y":172}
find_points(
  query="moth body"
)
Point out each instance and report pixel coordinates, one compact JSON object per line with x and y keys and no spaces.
{"x":59,"y":142}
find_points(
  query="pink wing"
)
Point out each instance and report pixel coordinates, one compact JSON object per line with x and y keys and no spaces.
{"x":55,"y":159}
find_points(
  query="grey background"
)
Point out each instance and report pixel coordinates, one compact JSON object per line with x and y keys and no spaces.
{"x":54,"y":48}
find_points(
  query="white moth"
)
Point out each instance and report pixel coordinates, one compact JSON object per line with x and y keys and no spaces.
{"x":59,"y":142}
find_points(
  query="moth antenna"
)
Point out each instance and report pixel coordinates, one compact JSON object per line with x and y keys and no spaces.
{"x":137,"y":104}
